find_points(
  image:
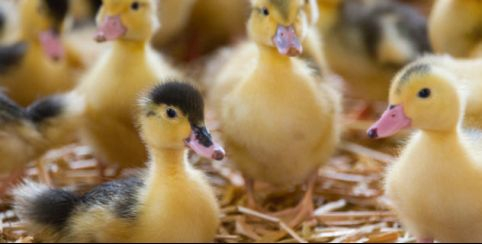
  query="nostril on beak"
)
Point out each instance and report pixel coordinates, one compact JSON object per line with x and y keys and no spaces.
{"x":372,"y":133}
{"x":218,"y":155}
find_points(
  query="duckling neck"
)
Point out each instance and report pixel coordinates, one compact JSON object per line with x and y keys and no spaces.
{"x":441,"y":136}
{"x":269,"y":56}
{"x":125,"y":47}
{"x":167,"y":162}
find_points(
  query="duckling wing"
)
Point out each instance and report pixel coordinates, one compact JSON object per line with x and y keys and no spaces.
{"x":120,"y":197}
{"x":11,"y":56}
{"x":9,"y":110}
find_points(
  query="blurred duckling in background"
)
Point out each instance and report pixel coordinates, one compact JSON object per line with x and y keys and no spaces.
{"x":455,"y":27}
{"x":435,"y":184}
{"x":170,"y":202}
{"x":24,"y":134}
{"x":41,"y":64}
{"x":279,"y":122}
{"x":367,"y":41}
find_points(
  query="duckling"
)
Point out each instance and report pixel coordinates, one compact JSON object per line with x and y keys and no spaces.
{"x":44,"y":65}
{"x":366,"y":42}
{"x":279,"y":122}
{"x":23,"y":134}
{"x":434,"y":185}
{"x":110,"y":89}
{"x":170,"y":202}
{"x":455,"y":28}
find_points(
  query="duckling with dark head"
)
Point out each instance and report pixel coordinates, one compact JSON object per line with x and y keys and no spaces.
{"x":170,"y":202}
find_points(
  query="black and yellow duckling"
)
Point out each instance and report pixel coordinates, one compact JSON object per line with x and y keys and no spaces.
{"x":280,"y":120}
{"x":170,"y":202}
{"x":367,"y":41}
{"x":24,"y":134}
{"x":41,"y":64}
{"x":456,"y":28}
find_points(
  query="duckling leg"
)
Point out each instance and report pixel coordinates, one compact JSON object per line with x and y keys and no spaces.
{"x":250,"y":193}
{"x":305,"y":207}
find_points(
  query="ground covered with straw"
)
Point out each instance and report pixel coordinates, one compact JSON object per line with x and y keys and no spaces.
{"x":349,"y":200}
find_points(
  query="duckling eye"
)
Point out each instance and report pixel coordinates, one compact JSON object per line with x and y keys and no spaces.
{"x":171,"y":113}
{"x":135,"y":6}
{"x":424,"y":93}
{"x":265,"y":11}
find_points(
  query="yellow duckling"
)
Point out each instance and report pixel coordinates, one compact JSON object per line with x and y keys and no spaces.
{"x":366,"y":42}
{"x":434,"y":185}
{"x":454,"y":27}
{"x":170,"y":202}
{"x":279,"y":122}
{"x":41,"y":64}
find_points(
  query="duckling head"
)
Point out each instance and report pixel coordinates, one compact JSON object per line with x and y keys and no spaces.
{"x":422,"y":96}
{"x":173,"y":117}
{"x":42,"y":21}
{"x":279,"y":23}
{"x":133,"y":20}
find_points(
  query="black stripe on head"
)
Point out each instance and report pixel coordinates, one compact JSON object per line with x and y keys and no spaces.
{"x":180,"y":95}
{"x":9,"y":110}
{"x":45,"y":109}
{"x":58,"y":9}
{"x":417,"y":69}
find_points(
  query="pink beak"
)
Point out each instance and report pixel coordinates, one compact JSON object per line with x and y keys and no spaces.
{"x":52,"y":45}
{"x":392,"y":121}
{"x":287,"y":42}
{"x":201,"y":142}
{"x":110,"y":29}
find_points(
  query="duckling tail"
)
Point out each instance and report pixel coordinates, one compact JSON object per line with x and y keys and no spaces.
{"x":45,"y":211}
